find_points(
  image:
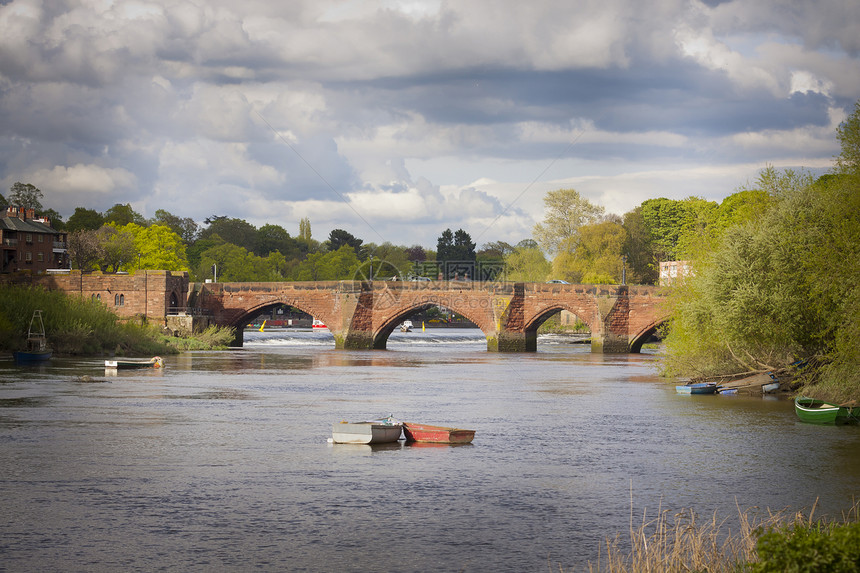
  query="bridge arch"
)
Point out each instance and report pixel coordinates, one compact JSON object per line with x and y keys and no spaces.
{"x":384,"y":330}
{"x":239,"y":322}
{"x":638,"y":339}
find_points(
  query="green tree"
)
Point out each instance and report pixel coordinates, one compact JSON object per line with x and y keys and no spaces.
{"x":642,"y":265}
{"x":330,"y":266}
{"x":121,"y":215}
{"x":235,"y":263}
{"x":566,"y":212}
{"x":236,"y":231}
{"x":85,"y":219}
{"x":848,"y":134}
{"x":158,"y":247}
{"x":597,"y":258}
{"x":527,"y":265}
{"x":338,"y":238}
{"x":26,"y":196}
{"x":272,"y":238}
{"x":118,"y":249}
{"x":305,"y":229}
{"x":3,"y":202}
{"x":185,"y":227}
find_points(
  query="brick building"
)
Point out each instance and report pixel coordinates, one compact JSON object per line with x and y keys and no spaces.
{"x":671,"y":271}
{"x":29,"y":243}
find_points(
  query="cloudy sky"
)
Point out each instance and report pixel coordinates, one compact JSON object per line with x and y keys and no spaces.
{"x":397,"y":119}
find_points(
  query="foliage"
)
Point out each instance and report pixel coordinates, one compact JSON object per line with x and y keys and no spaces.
{"x":778,"y":288}
{"x":848,"y":134}
{"x":566,"y":212}
{"x":235,"y":231}
{"x":416,"y":254}
{"x":271,"y":238}
{"x":527,"y":265}
{"x":185,"y":227}
{"x":305,"y":230}
{"x":642,"y":265}
{"x":235,"y":263}
{"x":212,"y":338}
{"x":596,"y":256}
{"x":26,"y":196}
{"x":672,"y":223}
{"x":117,"y":247}
{"x":341,"y":264}
{"x":811,"y":548}
{"x":155,"y":247}
{"x":3,"y":202}
{"x":338,"y":238}
{"x":85,"y":219}
{"x":121,"y":215}
{"x":72,"y":325}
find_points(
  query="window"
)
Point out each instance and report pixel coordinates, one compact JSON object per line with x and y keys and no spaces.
{"x":40,"y":256}
{"x":119,"y":300}
{"x":29,"y":238}
{"x":41,"y":238}
{"x":28,"y":256}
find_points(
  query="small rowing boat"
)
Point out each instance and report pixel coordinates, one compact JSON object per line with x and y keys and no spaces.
{"x":129,"y":363}
{"x":380,"y":431}
{"x":436,"y":434}
{"x":814,"y":411}
{"x":700,"y":388}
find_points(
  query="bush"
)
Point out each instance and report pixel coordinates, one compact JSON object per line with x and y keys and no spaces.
{"x":813,"y":548}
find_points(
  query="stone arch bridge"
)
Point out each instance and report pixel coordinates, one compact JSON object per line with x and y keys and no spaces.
{"x":361,"y":315}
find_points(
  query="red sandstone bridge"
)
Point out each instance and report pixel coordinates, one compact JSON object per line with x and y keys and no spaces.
{"x":361,"y":315}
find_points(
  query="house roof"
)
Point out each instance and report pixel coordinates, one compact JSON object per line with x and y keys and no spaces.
{"x":25,"y":226}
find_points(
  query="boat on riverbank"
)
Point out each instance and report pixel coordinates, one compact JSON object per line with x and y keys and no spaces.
{"x":699,"y":388}
{"x":383,"y":431}
{"x":131,"y":363}
{"x":762,"y":383}
{"x":37,"y":344}
{"x":425,"y":433}
{"x":814,"y":411}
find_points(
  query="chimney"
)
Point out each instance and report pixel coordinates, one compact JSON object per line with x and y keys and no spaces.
{"x":31,"y":214}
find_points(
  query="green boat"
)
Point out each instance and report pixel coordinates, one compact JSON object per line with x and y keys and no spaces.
{"x":814,"y":411}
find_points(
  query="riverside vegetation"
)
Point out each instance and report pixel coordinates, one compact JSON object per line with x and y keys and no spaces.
{"x":76,"y":326}
{"x":778,"y":290}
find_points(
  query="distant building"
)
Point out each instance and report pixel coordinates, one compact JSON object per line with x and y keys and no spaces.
{"x":671,"y":270}
{"x":29,"y":243}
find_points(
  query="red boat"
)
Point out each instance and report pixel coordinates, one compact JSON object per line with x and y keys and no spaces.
{"x":436,"y":434}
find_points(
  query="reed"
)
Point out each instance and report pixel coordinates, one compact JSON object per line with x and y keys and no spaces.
{"x":683,"y":542}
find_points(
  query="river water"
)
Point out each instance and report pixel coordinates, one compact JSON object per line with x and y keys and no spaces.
{"x":220,"y":461}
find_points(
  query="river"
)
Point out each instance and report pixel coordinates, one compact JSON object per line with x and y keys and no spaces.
{"x":220,"y":461}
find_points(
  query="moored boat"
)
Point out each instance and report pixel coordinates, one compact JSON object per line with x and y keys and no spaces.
{"x":37,"y":344}
{"x":700,"y":388}
{"x":406,"y":326}
{"x":381,"y":431}
{"x":318,"y":324}
{"x":814,"y":411}
{"x":436,"y":434}
{"x":128,"y":363}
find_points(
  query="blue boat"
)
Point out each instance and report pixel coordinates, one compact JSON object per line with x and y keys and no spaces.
{"x":700,"y":388}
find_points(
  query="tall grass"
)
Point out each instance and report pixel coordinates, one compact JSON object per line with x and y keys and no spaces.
{"x":73,"y":325}
{"x":683,"y":542}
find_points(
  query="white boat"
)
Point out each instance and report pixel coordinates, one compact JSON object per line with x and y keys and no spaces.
{"x":370,"y":432}
{"x":319,"y":324}
{"x":406,"y":326}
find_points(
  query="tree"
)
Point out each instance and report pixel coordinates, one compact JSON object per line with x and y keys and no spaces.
{"x":642,"y":265}
{"x":444,"y":246}
{"x":185,"y":227}
{"x":118,"y":248}
{"x":85,"y":219}
{"x":848,"y":134}
{"x":416,"y":254}
{"x":121,"y":215}
{"x":331,"y":266}
{"x":26,"y":196}
{"x":272,"y":238}
{"x":85,"y":248}
{"x":597,"y":258}
{"x":527,"y":265}
{"x":235,"y":231}
{"x":338,"y":238}
{"x":3,"y":202}
{"x":157,"y":247}
{"x":305,"y":229}
{"x":566,"y":212}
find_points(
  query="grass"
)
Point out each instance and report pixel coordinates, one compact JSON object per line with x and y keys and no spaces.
{"x":80,"y":326}
{"x":683,"y":542}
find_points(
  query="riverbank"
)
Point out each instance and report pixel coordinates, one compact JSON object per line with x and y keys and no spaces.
{"x":82,"y":327}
